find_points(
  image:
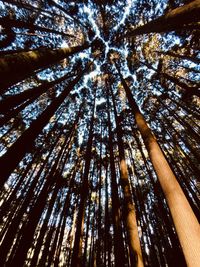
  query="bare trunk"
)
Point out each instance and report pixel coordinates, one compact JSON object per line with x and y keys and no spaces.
{"x":28,"y":62}
{"x":173,"y":20}
{"x":77,"y":250}
{"x":186,"y":223}
{"x":25,"y":142}
{"x":129,"y":208}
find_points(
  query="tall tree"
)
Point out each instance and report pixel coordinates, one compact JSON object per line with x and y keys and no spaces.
{"x":98,"y":182}
{"x":186,"y":223}
{"x":77,"y":250}
{"x":175,"y":19}
{"x":26,"y":141}
{"x":28,"y":62}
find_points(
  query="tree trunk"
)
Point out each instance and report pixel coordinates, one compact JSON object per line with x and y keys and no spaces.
{"x":27,"y":6}
{"x":26,"y":141}
{"x":119,"y":250}
{"x":186,"y":223}
{"x":16,"y":67}
{"x":189,"y":90}
{"x":7,"y":22}
{"x":13,"y":101}
{"x":53,"y":3}
{"x":176,"y":55}
{"x":129,"y":208}
{"x":77,"y":250}
{"x":173,"y":20}
{"x":44,"y":226}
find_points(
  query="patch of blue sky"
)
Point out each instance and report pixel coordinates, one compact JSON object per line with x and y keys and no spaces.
{"x":125,"y":14}
{"x":2,"y":9}
{"x":88,"y":77}
{"x":169,"y":40}
{"x":90,"y":14}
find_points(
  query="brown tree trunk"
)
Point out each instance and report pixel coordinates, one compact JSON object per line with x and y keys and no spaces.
{"x":185,"y":222}
{"x":176,"y":55}
{"x":16,"y":67}
{"x":13,"y":101}
{"x":189,"y":90}
{"x":27,"y":6}
{"x":26,"y":141}
{"x":7,"y":22}
{"x":107,"y":247}
{"x":119,"y":250}
{"x":36,"y":210}
{"x":173,"y":20}
{"x":77,"y":250}
{"x":129,"y":208}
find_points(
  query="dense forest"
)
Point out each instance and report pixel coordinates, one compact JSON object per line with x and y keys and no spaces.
{"x":99,"y":126}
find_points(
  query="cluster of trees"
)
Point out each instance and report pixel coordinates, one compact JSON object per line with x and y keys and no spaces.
{"x":99,"y":161}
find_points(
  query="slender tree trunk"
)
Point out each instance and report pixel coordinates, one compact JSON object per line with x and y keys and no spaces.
{"x":16,"y":67}
{"x":7,"y":22}
{"x":186,"y":223}
{"x":11,"y":102}
{"x":7,"y":204}
{"x":26,"y":141}
{"x":176,"y":55}
{"x":99,"y":213}
{"x":129,"y":208}
{"x":87,"y":233}
{"x":44,"y":226}
{"x":119,"y":250}
{"x":107,"y":247}
{"x":33,"y":8}
{"x":189,"y":90}
{"x":28,"y":233}
{"x":10,"y":234}
{"x":77,"y":250}
{"x":173,"y":20}
{"x":72,"y":234}
{"x":35,"y":213}
{"x":49,"y":237}
{"x":53,"y":3}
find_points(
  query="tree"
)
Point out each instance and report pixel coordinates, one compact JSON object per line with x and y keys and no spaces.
{"x":99,"y":162}
{"x":175,"y":19}
{"x":186,"y":224}
{"x":28,"y":62}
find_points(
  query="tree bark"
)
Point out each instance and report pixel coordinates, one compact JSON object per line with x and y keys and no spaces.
{"x":129,"y":208}
{"x":15,"y":100}
{"x":16,"y":67}
{"x":185,"y":222}
{"x":176,"y":55}
{"x":7,"y":22}
{"x":173,"y":20}
{"x":25,"y":142}
{"x":119,"y":250}
{"x":77,"y":250}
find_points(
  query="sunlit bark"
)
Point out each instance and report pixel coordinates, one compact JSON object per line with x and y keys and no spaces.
{"x":129,"y":208}
{"x":186,"y":223}
{"x":16,"y":67}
